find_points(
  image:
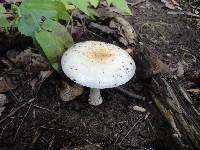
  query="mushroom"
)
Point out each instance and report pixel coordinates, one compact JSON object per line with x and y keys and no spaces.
{"x":97,"y":65}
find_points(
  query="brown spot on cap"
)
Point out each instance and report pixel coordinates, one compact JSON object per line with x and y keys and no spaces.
{"x":100,"y":54}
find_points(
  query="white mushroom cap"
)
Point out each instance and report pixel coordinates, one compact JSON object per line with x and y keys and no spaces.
{"x":98,"y":64}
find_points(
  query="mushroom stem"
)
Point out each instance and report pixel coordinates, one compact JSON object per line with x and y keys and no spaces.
{"x":95,"y":97}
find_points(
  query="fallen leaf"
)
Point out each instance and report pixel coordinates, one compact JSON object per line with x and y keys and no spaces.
{"x":168,"y":4}
{"x":37,"y":82}
{"x":138,"y":108}
{"x":3,"y":101}
{"x":125,"y":30}
{"x":68,"y":93}
{"x":123,"y":41}
{"x":130,"y":50}
{"x":6,"y":85}
{"x":175,"y":2}
{"x":195,"y":91}
{"x":28,"y":57}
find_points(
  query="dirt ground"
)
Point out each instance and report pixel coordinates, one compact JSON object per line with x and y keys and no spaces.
{"x":49,"y":123}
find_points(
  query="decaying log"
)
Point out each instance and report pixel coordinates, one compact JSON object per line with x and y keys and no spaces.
{"x":171,"y":99}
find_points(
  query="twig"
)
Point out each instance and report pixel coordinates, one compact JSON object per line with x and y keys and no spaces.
{"x":130,"y":94}
{"x":51,"y":121}
{"x":51,"y":142}
{"x":17,"y":109}
{"x":7,"y":63}
{"x":22,"y":121}
{"x":152,"y":127}
{"x":68,"y":132}
{"x":4,"y":128}
{"x":40,"y":107}
{"x":11,"y":90}
{"x":136,"y":123}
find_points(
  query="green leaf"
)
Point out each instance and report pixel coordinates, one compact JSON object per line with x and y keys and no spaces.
{"x":83,"y":5}
{"x":94,"y":3}
{"x":3,"y":21}
{"x":32,"y":12}
{"x":2,"y":9}
{"x":121,"y":5}
{"x":53,"y":39}
{"x":67,"y":5}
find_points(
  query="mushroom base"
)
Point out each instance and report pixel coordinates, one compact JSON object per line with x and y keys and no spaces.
{"x":95,"y":97}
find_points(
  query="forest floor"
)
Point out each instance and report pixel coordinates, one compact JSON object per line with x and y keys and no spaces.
{"x":41,"y":120}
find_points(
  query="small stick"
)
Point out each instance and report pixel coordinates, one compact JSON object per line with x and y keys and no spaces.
{"x":138,"y":121}
{"x":50,"y":122}
{"x":130,"y":94}
{"x":46,"y":109}
{"x":22,"y":121}
{"x":15,"y":110}
{"x":65,"y":130}
{"x":51,"y":142}
{"x":4,"y":128}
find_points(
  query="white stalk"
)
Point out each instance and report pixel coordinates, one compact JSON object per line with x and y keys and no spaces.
{"x":95,"y":97}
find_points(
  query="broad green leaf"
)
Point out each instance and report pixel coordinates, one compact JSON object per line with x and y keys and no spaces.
{"x":121,"y":5}
{"x":2,"y":9}
{"x":3,"y":21}
{"x":67,"y":5}
{"x":15,"y":9}
{"x":83,"y":5}
{"x":53,"y":39}
{"x":94,"y":3}
{"x":32,"y":12}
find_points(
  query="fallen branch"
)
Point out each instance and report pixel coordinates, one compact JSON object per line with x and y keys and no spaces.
{"x":130,"y":94}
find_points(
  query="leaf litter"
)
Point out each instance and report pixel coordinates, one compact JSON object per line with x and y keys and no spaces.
{"x":6,"y":85}
{"x":44,"y":75}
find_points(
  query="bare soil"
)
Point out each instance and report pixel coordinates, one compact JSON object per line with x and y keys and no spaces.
{"x":49,"y":123}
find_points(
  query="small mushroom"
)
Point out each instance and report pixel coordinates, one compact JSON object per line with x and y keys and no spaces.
{"x":97,"y":65}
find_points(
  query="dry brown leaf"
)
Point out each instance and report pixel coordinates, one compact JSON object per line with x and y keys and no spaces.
{"x":37,"y":82}
{"x":168,"y":4}
{"x":126,"y":33}
{"x":175,"y":2}
{"x":68,"y":93}
{"x":130,"y":50}
{"x":192,"y":15}
{"x":195,"y":91}
{"x":6,"y":85}
{"x":27,"y":57}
